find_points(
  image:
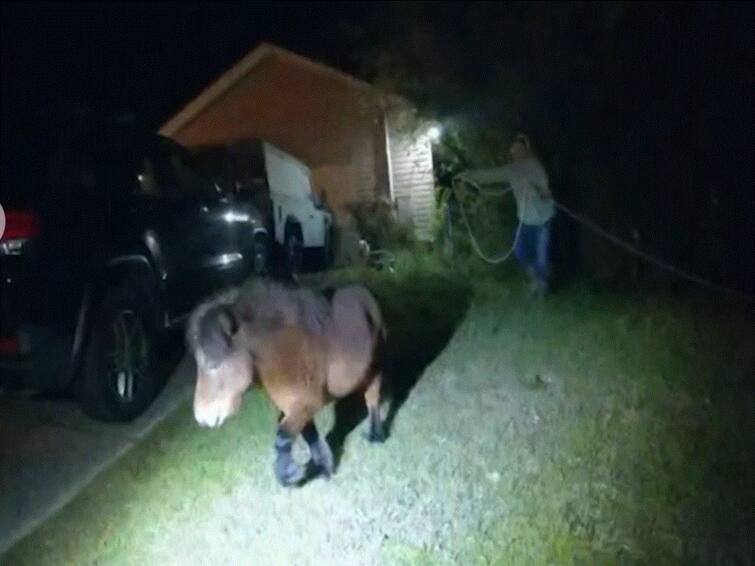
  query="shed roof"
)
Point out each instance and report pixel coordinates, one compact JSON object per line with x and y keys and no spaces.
{"x":241,"y":69}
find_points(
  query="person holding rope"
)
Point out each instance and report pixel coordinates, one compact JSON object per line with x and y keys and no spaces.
{"x":528,"y":180}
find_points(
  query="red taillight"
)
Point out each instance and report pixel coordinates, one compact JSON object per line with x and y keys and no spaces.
{"x":10,"y":346}
{"x":20,"y":225}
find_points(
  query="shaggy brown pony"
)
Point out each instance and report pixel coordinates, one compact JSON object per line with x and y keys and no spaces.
{"x":304,"y":349}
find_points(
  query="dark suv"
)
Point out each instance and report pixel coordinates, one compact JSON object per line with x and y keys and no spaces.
{"x":97,"y":265}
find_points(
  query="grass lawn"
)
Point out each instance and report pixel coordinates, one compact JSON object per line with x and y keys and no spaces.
{"x":591,"y":428}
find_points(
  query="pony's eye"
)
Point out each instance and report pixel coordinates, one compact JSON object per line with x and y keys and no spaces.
{"x":246,"y":313}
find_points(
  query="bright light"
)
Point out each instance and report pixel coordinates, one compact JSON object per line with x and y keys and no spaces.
{"x":433,"y":132}
{"x":225,"y":259}
{"x":231,"y":217}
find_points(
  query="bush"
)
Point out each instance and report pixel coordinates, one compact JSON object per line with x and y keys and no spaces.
{"x":376,"y":223}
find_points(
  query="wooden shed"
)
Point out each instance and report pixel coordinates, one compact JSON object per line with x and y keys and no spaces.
{"x":353,"y":137}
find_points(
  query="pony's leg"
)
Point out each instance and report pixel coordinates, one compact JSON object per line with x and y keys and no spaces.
{"x":322,"y":457}
{"x":287,"y":470}
{"x":372,"y":400}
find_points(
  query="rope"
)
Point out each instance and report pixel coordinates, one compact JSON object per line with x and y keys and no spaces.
{"x":580,"y":219}
{"x":649,"y":258}
{"x":475,"y":244}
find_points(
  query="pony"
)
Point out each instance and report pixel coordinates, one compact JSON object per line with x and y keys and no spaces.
{"x":303,"y":347}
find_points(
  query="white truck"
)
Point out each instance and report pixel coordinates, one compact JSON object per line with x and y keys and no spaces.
{"x":301,"y":223}
{"x":280,"y":186}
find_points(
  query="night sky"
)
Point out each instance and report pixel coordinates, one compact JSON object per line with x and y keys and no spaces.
{"x":652,"y":99}
{"x":147,"y":59}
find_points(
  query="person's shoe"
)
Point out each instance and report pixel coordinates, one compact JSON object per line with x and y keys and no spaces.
{"x":542,"y":289}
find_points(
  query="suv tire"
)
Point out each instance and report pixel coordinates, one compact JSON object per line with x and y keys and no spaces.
{"x":118,"y":379}
{"x":259,"y":255}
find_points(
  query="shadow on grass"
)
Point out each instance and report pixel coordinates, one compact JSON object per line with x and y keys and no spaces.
{"x":422,"y":312}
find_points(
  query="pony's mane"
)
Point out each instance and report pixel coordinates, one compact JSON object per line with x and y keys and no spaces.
{"x":270,"y":304}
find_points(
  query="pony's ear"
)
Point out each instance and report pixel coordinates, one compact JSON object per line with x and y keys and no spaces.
{"x":228,"y":322}
{"x":215,"y":334}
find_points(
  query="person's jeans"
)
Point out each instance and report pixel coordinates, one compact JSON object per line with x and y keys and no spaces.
{"x":532,"y":251}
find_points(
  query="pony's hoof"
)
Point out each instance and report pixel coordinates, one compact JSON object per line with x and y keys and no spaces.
{"x":288,"y":472}
{"x":374,"y":436}
{"x":375,"y":433}
{"x":322,"y":458}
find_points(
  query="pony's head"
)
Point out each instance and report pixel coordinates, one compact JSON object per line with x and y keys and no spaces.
{"x":224,"y":366}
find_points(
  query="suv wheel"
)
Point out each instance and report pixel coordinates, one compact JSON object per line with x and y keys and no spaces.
{"x":118,"y":381}
{"x":259,"y":255}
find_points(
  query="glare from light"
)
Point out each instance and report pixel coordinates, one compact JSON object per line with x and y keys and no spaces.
{"x":150,"y":239}
{"x":225,"y":259}
{"x":232,"y":217}
{"x":434,"y":132}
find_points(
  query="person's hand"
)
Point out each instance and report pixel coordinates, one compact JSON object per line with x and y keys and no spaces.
{"x":467,"y":183}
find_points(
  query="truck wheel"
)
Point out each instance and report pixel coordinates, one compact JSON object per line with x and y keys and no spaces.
{"x":327,"y":251}
{"x":293,"y":249}
{"x":118,"y":379}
